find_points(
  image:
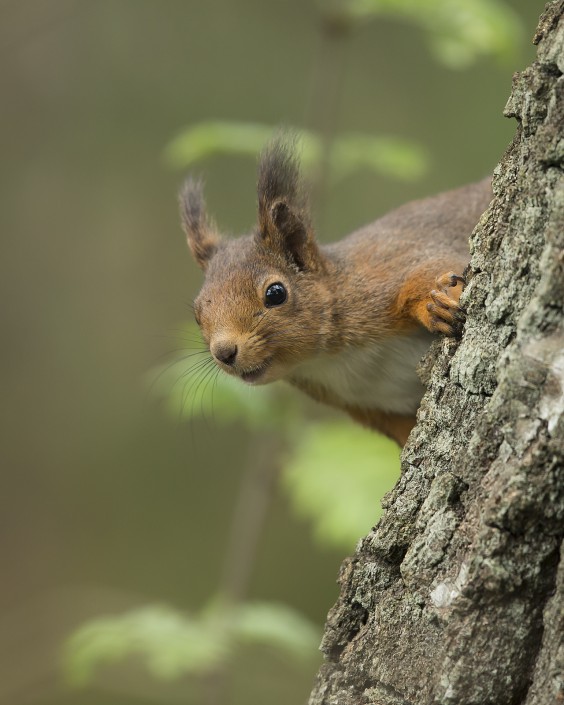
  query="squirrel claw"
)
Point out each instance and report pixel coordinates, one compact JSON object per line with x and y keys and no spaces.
{"x":451,"y":280}
{"x":455,"y":279}
{"x":446,"y":316}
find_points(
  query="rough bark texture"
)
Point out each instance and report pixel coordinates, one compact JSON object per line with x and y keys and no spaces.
{"x":457,"y":595}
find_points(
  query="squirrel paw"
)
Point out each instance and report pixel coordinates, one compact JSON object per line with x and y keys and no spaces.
{"x":444,"y":313}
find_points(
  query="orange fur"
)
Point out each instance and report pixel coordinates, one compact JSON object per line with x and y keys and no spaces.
{"x":394,"y":426}
{"x":433,"y":300}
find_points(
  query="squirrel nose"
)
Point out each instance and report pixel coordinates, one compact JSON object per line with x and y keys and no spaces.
{"x":225,"y":352}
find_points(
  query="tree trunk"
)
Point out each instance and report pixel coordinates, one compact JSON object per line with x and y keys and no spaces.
{"x":457,"y":595}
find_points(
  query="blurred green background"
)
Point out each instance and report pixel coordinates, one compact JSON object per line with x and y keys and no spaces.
{"x":111,"y":501}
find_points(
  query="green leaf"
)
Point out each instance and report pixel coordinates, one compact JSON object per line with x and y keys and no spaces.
{"x":349,"y":153}
{"x":207,"y":139}
{"x":386,"y":155}
{"x":279,"y":626}
{"x":215,"y":137}
{"x":337,"y":477}
{"x":170,"y":643}
{"x":458,"y":31}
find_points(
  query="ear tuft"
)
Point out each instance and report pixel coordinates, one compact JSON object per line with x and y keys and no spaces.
{"x":202,"y":236}
{"x":279,"y":178}
{"x":284,"y":222}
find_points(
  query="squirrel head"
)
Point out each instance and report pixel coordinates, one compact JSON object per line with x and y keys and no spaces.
{"x":265,"y":304}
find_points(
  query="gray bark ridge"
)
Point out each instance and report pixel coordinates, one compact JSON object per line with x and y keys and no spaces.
{"x":457,"y":595}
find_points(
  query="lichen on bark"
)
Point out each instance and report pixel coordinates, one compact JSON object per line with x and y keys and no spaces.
{"x":456,"y":596}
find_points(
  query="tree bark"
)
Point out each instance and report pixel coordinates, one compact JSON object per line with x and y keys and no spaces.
{"x":457,"y":595}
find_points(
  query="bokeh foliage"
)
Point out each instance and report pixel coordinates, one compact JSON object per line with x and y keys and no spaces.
{"x":335,"y":488}
{"x":458,"y":32}
{"x":389,"y":156}
{"x":172,"y":644}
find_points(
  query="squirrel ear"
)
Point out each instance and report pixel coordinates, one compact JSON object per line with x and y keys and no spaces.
{"x":287,"y":231}
{"x":283,"y":215}
{"x":202,"y":236}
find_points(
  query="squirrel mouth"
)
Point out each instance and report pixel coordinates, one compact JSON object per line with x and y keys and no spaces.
{"x":254,"y":373}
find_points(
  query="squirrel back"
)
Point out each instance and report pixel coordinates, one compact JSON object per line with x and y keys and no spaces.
{"x":346,"y":322}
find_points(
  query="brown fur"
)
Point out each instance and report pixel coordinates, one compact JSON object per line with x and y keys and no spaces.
{"x":391,"y":425}
{"x":388,"y":279}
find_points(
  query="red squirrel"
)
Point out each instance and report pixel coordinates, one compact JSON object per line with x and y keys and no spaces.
{"x":347,"y":322}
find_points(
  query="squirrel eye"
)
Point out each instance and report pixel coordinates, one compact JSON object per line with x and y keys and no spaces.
{"x":275,"y":295}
